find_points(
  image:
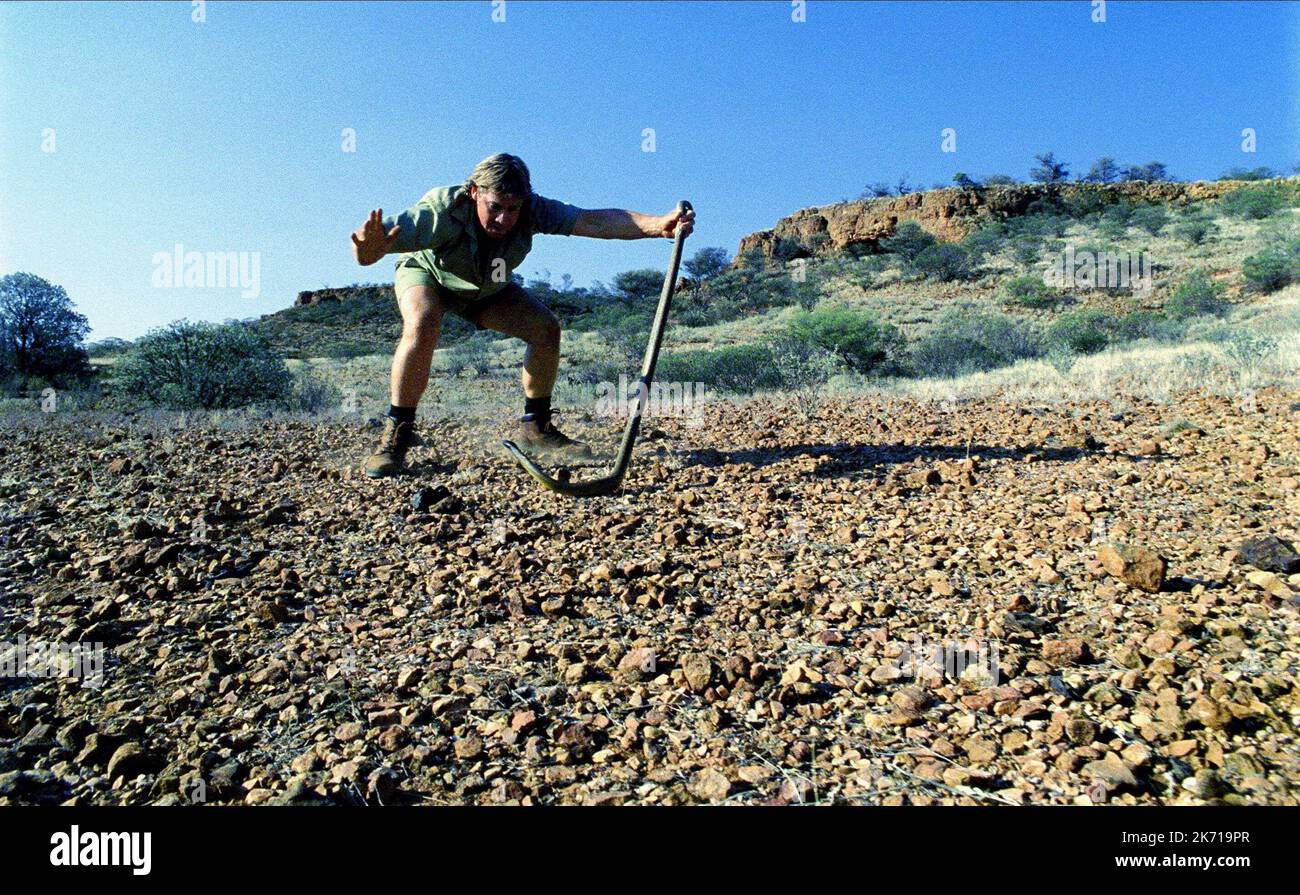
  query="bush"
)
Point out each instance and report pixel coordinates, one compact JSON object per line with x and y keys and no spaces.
{"x":1260,"y":173}
{"x":861,"y":339}
{"x":312,"y":394}
{"x":1148,"y":325}
{"x":1030,"y":292}
{"x":1027,"y":250}
{"x":1252,"y":202}
{"x":736,"y":368}
{"x":204,"y":366}
{"x":1081,"y":332}
{"x":963,"y":342}
{"x":471,"y":355}
{"x":735,"y":293}
{"x":804,"y":369}
{"x":988,"y":239}
{"x":908,"y":241}
{"x":788,"y":249}
{"x":1195,"y":227}
{"x":1268,"y":271}
{"x":637,"y":287}
{"x":1195,"y":296}
{"x":1084,"y":204}
{"x":944,"y":262}
{"x":1151,"y":218}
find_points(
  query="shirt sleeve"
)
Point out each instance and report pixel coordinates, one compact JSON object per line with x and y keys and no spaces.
{"x":422,"y":228}
{"x":552,"y":216}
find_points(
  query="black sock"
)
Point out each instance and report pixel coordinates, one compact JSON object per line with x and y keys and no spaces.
{"x":538,"y":408}
{"x":402,"y":414}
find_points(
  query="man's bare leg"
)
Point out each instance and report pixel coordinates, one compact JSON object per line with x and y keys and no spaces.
{"x":421,"y":321}
{"x":524,"y":317}
{"x":421,"y":324}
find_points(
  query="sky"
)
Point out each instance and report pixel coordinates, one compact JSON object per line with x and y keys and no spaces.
{"x":127,"y":130}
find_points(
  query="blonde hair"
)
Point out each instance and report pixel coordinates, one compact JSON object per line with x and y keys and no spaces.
{"x":501,"y":173}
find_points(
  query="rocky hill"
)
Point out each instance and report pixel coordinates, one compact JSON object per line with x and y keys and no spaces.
{"x":953,"y":214}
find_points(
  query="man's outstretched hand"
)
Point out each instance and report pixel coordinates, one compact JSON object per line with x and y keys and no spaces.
{"x":670,"y":222}
{"x":370,"y":242}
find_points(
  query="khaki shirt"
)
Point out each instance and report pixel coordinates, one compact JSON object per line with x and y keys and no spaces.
{"x":440,"y":235}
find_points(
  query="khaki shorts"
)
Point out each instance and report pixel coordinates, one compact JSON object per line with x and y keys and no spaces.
{"x":410,"y":273}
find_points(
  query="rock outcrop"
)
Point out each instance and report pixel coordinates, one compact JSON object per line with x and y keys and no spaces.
{"x":953,"y":214}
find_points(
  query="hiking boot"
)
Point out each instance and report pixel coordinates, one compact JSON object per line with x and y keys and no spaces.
{"x":544,"y":439}
{"x":390,"y":457}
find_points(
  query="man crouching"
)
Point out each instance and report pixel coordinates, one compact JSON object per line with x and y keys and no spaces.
{"x":457,"y":248}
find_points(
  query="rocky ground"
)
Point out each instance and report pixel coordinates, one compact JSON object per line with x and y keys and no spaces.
{"x":735,"y":627}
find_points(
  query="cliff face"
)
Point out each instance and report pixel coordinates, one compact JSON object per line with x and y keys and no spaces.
{"x":952,"y":214}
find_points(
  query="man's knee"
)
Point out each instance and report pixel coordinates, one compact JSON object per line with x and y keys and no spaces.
{"x":421,"y":326}
{"x":549,"y":331}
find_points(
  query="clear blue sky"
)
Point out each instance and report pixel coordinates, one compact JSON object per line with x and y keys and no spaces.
{"x":225,"y":135}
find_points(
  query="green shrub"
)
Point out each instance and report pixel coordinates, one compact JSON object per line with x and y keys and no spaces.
{"x":908,"y":241}
{"x":1260,"y":173}
{"x":804,"y":369}
{"x":1252,"y":202}
{"x":788,"y":249}
{"x":964,"y":342}
{"x":1029,"y":292}
{"x":864,"y":342}
{"x":988,"y":239}
{"x":1268,"y":270}
{"x":313,"y":394}
{"x":204,"y":366}
{"x":944,"y":262}
{"x":1195,"y":296}
{"x":1143,"y":324}
{"x":1151,"y":218}
{"x":1084,"y":204}
{"x":1195,"y":227}
{"x":1027,"y":250}
{"x":1113,"y":224}
{"x":736,"y":368}
{"x":471,"y":355}
{"x":1081,"y":332}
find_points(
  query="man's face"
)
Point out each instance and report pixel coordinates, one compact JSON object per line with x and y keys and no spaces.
{"x":497,"y":212}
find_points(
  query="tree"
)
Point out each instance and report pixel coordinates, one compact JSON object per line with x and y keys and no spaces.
{"x":1151,"y":171}
{"x":637,"y":286}
{"x":1049,"y":170}
{"x":963,"y":181}
{"x":876,"y":190}
{"x":1000,"y":180}
{"x":1260,"y":173}
{"x":1103,"y":170}
{"x":40,"y":333}
{"x":707,"y":263}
